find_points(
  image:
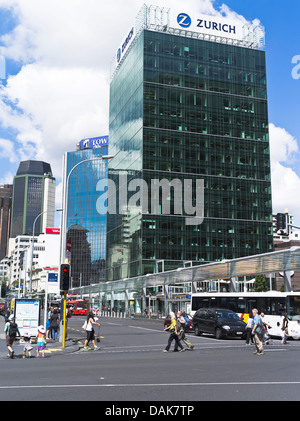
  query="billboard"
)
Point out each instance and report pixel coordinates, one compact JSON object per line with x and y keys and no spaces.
{"x":27,"y":315}
{"x":94,"y":142}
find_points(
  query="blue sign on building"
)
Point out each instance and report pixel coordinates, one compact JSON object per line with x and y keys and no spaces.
{"x":94,"y":142}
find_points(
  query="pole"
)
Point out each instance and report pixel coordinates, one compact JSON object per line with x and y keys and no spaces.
{"x":64,"y":320}
{"x":46,"y":302}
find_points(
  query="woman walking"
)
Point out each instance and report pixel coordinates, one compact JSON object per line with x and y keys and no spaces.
{"x":90,"y":333}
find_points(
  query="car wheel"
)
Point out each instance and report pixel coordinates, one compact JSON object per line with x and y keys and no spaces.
{"x":197,"y":331}
{"x":218,"y":333}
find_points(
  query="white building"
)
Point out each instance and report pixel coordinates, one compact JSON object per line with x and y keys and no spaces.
{"x":45,"y":259}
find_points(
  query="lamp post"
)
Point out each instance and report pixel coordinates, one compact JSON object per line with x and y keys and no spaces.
{"x":66,"y":201}
{"x":64,"y":233}
{"x":32,"y":246}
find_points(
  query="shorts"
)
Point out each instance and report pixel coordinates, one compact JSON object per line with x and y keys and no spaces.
{"x":10,"y":340}
{"x":27,"y":347}
{"x":90,"y":335}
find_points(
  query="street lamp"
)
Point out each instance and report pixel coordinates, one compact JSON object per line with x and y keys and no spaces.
{"x":64,"y":232}
{"x":32,"y":247}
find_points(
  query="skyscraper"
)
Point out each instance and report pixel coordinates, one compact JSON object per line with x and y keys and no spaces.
{"x":5,"y":214}
{"x":188,"y":101}
{"x":85,"y":222}
{"x":33,"y":193}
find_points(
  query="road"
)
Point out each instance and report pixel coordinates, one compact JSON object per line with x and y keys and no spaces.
{"x":130,"y":366}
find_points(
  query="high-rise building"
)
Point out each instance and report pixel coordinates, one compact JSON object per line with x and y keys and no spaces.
{"x":86,"y":223}
{"x":188,"y":101}
{"x":33,"y":193}
{"x":5,"y":213}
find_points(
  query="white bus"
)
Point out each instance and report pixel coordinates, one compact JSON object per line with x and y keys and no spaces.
{"x":272,"y":303}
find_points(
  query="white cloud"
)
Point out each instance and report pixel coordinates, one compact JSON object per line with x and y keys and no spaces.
{"x":62,"y":90}
{"x":285,"y":181}
{"x":7,"y":179}
{"x":7,"y":150}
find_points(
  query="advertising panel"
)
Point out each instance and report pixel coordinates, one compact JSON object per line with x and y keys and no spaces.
{"x":210,"y":25}
{"x":94,"y":142}
{"x":27,"y":315}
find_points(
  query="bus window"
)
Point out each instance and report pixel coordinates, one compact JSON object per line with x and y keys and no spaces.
{"x":294,"y":307}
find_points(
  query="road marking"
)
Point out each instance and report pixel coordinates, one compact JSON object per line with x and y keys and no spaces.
{"x":149,"y":385}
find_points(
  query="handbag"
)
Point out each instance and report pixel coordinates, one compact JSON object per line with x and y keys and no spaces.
{"x":84,"y":326}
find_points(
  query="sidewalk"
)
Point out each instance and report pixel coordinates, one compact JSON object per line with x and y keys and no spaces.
{"x":52,"y":348}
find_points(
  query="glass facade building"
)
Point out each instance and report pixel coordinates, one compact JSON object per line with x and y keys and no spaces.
{"x":33,"y":186}
{"x":184,"y":108}
{"x":86,"y":226}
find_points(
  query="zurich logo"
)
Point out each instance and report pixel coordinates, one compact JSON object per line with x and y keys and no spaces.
{"x":184,"y":20}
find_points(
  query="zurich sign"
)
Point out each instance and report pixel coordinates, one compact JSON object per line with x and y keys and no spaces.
{"x":184,"y":20}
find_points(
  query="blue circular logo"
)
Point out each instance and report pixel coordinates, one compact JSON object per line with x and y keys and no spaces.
{"x":119,"y":53}
{"x":184,"y":20}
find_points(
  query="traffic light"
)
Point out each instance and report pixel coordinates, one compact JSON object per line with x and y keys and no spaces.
{"x":282,"y":227}
{"x":64,"y":277}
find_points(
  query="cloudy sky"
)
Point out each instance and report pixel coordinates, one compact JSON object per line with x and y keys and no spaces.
{"x":58,"y":56}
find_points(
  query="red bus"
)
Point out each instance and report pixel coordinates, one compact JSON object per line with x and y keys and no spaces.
{"x":79,"y":307}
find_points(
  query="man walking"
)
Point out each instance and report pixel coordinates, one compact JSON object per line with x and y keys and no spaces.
{"x":257,"y":332}
{"x":181,"y":331}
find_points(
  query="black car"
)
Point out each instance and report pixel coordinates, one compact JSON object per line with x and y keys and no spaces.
{"x":219,"y":322}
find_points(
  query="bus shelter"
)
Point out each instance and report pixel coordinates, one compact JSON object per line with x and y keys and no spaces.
{"x":134,"y":295}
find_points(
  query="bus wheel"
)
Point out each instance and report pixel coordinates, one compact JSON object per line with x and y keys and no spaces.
{"x":218,"y":333}
{"x":197,"y":331}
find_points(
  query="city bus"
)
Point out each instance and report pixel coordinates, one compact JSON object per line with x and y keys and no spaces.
{"x":272,"y":303}
{"x":79,"y":307}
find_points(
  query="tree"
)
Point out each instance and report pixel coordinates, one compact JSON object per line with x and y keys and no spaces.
{"x":260,"y":283}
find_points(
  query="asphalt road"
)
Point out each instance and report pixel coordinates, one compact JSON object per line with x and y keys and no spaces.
{"x":131,"y":367}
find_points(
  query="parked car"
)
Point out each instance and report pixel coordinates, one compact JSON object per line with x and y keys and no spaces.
{"x":219,"y":322}
{"x":189,"y":328}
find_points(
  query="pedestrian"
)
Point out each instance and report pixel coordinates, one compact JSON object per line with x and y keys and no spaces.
{"x":173,"y":335}
{"x":265,"y":326}
{"x":90,"y":333}
{"x":48,"y":328}
{"x":54,"y":322}
{"x":181,"y":332}
{"x":249,"y":336}
{"x":27,"y":344}
{"x":41,"y":342}
{"x":257,"y":332}
{"x":11,"y":330}
{"x":284,"y":329}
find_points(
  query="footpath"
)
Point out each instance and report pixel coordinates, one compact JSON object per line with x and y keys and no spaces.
{"x":52,"y":348}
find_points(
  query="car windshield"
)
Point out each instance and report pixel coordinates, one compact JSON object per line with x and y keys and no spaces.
{"x":223,"y":314}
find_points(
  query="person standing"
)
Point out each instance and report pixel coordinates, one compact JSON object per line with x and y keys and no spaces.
{"x":284,"y":328}
{"x":181,"y":331}
{"x":249,"y":336}
{"x":11,"y":330}
{"x":257,"y":332}
{"x":54,"y":322}
{"x":173,"y":335}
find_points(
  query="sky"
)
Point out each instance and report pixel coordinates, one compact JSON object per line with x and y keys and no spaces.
{"x":58,"y":55}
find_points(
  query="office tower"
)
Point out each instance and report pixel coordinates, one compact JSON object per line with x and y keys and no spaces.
{"x":85,"y":234}
{"x":188,"y":100}
{"x":33,"y":193}
{"x":5,"y":213}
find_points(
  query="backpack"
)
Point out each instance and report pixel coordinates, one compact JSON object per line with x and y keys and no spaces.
{"x":13,"y":330}
{"x":186,"y":322}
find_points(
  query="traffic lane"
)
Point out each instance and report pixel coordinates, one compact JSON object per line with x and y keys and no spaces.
{"x":121,"y":334}
{"x":217,"y":374}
